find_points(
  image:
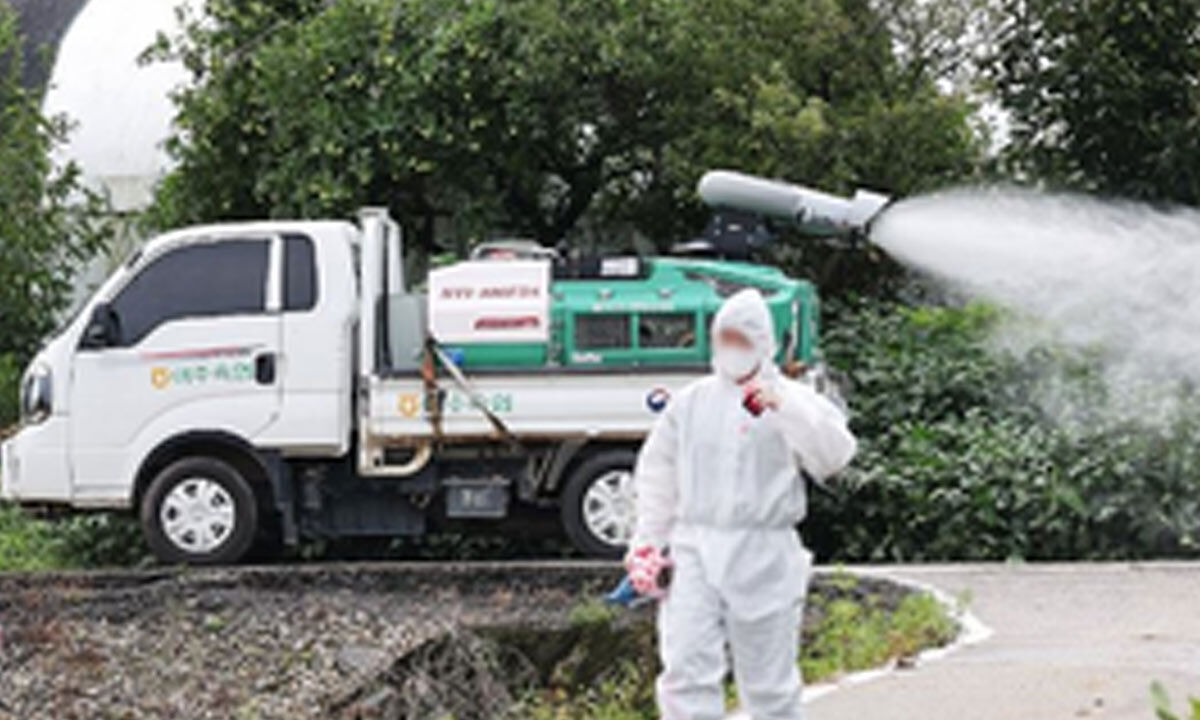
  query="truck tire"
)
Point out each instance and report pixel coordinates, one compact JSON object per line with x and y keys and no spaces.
{"x":199,"y":511}
{"x":597,"y":504}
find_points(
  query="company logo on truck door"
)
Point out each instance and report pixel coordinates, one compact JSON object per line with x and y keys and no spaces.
{"x":192,"y":375}
{"x":208,"y":366}
{"x":413,"y":404}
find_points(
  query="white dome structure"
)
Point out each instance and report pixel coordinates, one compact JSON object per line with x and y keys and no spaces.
{"x":121,"y":110}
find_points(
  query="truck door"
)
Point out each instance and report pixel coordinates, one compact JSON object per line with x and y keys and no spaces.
{"x":194,"y":348}
{"x":316,"y":363}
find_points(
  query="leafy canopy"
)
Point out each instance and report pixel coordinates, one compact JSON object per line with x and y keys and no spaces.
{"x":46,"y":233}
{"x":543,"y":118}
{"x":1103,"y":94}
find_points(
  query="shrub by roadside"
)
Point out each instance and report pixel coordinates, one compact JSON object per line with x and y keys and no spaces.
{"x":26,"y":543}
{"x":29,"y":543}
{"x":10,"y":390}
{"x":958,"y":463}
{"x":857,"y":631}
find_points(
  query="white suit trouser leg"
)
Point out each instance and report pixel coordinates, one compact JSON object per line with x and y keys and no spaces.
{"x":764,"y":665}
{"x":693,"y":627}
{"x":691,"y":640}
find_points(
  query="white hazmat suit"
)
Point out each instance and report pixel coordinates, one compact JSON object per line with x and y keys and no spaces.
{"x":722,"y":488}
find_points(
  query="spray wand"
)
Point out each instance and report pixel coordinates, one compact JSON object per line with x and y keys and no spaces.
{"x":626,"y":595}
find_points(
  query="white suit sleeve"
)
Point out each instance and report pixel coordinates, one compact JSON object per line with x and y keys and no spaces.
{"x":815,"y":429}
{"x":656,"y":483}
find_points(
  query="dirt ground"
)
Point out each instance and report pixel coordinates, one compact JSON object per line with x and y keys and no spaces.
{"x":318,"y":641}
{"x":270,"y":643}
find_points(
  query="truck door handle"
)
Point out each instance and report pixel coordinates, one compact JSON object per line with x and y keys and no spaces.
{"x":264,"y":368}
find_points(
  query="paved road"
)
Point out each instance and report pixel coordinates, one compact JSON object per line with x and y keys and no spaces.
{"x":1070,"y":641}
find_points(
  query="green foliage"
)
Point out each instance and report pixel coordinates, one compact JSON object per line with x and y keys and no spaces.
{"x":48,"y":230}
{"x":919,"y":622}
{"x":100,"y":540}
{"x":46,"y":217}
{"x":26,"y":543}
{"x":1163,"y":709}
{"x":10,"y":384}
{"x":543,"y":118}
{"x":854,"y":632}
{"x":626,"y":695}
{"x":592,"y":612}
{"x":858,"y":635}
{"x":957,"y":463}
{"x":107,"y":539}
{"x":1103,"y":94}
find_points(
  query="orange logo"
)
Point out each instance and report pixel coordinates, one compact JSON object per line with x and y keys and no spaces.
{"x":410,"y":404}
{"x":160,"y":377}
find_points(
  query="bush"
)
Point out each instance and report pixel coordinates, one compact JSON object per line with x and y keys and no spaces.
{"x":26,"y":543}
{"x":48,"y":219}
{"x":858,"y":634}
{"x":956,"y":462}
{"x":10,"y":388}
{"x":82,"y":541}
{"x":108,"y":539}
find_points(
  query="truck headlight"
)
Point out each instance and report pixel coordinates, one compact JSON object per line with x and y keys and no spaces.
{"x":37,"y":397}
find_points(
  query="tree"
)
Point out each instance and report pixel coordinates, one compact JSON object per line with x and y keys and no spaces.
{"x":545,"y":118}
{"x":46,"y":218}
{"x":1104,"y":94}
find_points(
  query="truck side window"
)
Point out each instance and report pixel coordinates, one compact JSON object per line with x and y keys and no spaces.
{"x":300,"y":273}
{"x":667,"y":330}
{"x":228,"y":277}
{"x":601,"y":331}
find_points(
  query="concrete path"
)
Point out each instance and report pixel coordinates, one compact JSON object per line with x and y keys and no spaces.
{"x":1070,"y":641}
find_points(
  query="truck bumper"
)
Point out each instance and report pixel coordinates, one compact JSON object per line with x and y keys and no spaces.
{"x":35,"y":465}
{"x":9,"y":471}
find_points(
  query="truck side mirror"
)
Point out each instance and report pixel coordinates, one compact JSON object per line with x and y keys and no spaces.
{"x":103,"y":330}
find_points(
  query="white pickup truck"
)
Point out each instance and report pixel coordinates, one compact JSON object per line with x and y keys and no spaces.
{"x":261,"y":382}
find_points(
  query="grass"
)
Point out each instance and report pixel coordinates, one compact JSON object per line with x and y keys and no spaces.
{"x":1163,"y":709}
{"x":627,"y":695}
{"x":857,"y":635}
{"x":853,"y":632}
{"x":29,"y":543}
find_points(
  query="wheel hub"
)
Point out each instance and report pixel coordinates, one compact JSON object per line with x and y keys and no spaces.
{"x":198,"y":515}
{"x":609,"y":507}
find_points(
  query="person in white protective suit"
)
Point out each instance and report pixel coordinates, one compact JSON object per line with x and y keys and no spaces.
{"x":719,"y":495}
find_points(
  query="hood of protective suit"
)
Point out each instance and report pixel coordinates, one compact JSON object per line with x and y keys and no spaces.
{"x":746,"y":311}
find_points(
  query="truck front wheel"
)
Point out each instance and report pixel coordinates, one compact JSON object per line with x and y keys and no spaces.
{"x":598,"y":504}
{"x":199,"y":511}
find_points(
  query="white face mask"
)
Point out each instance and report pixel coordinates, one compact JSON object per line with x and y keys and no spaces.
{"x":733,"y":362}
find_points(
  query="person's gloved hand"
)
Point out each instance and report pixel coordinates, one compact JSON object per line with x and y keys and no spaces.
{"x":757,"y":398}
{"x":645,"y":566}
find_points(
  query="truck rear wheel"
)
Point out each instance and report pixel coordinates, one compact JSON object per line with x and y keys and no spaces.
{"x":199,"y":511}
{"x":598,"y":504}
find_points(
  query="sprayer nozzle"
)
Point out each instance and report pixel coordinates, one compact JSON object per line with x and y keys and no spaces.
{"x":866,"y":206}
{"x":811,"y":210}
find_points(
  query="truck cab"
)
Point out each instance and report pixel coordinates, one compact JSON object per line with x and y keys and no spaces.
{"x":237,"y":335}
